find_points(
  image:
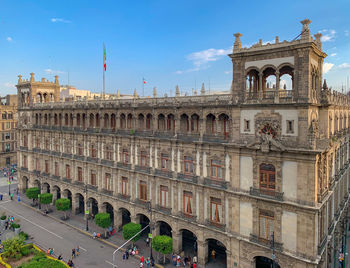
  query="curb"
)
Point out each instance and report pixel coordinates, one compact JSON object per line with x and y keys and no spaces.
{"x":84,"y":232}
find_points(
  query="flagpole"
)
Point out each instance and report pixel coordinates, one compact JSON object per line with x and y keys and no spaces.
{"x":103,"y":66}
{"x":143,"y":86}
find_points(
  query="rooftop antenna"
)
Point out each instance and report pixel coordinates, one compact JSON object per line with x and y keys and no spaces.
{"x":68,"y":81}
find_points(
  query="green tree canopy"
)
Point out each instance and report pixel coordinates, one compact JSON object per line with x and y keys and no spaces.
{"x":103,"y":219}
{"x":46,"y":198}
{"x":63,"y":204}
{"x":163,"y":244}
{"x":130,"y":229}
{"x":32,"y":193}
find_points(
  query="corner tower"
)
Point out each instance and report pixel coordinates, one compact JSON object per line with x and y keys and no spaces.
{"x":279,"y":72}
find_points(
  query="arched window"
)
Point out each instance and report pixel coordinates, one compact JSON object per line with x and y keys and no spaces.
{"x":149,"y":121}
{"x":267,"y":177}
{"x":129,"y":121}
{"x":171,"y":122}
{"x":195,"y":123}
{"x":113,"y":121}
{"x":122,"y":121}
{"x":141,"y":122}
{"x":65,"y":119}
{"x":184,"y":123}
{"x":106,"y":121}
{"x":210,"y":124}
{"x":91,"y":120}
{"x":161,"y":122}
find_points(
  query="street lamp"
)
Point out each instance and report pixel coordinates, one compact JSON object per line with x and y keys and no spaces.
{"x":86,"y":212}
{"x":273,"y":249}
{"x":151,"y":228}
{"x":40,"y":189}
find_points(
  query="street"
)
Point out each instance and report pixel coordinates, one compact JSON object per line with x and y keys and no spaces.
{"x":47,"y":232}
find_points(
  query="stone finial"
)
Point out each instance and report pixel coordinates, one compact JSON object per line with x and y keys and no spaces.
{"x":277,"y":40}
{"x":19,"y":79}
{"x":325,"y":87}
{"x":154,"y":92}
{"x":42,"y":80}
{"x":284,"y":86}
{"x":118,"y":95}
{"x":238,"y":43}
{"x":135,"y":94}
{"x":318,"y":40}
{"x":195,"y":92}
{"x":305,"y":32}
{"x":32,"y":77}
{"x":56,"y":80}
{"x":177,"y":91}
{"x":202,"y":89}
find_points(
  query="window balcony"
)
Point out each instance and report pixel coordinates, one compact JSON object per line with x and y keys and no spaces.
{"x":44,"y":151}
{"x":270,"y":194}
{"x":106,"y":130}
{"x":216,"y":183}
{"x":55,"y":153}
{"x":24,"y":169}
{"x":216,"y":225}
{"x":67,"y":180}
{"x":124,"y":132}
{"x":23,"y":148}
{"x":163,"y":209}
{"x":92,"y":159}
{"x":66,"y":128}
{"x":220,"y":138}
{"x":36,"y":150}
{"x":92,"y":187}
{"x":164,"y":173}
{"x":124,"y":165}
{"x":36,"y":172}
{"x":79,"y":183}
{"x":143,"y":169}
{"x":188,"y":217}
{"x":268,"y":243}
{"x":107,"y":192}
{"x":190,"y":137}
{"x":92,"y":130}
{"x":55,"y":177}
{"x":143,"y":203}
{"x":187,"y":177}
{"x":79,"y":157}
{"x":144,"y":133}
{"x":66,"y":155}
{"x":164,"y":134}
{"x":107,"y":162}
{"x":124,"y":197}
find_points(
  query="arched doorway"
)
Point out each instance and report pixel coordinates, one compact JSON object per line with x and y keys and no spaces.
{"x":46,"y":188}
{"x":189,"y":243}
{"x":219,"y":258}
{"x":56,"y":192}
{"x":79,"y":198}
{"x":264,"y":262}
{"x":24,"y":184}
{"x":37,"y":183}
{"x":144,"y":221}
{"x":92,"y":203}
{"x":68,"y":194}
{"x":164,"y":228}
{"x":125,"y":216}
{"x":109,"y":209}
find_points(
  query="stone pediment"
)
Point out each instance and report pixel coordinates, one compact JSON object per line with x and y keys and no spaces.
{"x":266,"y":143}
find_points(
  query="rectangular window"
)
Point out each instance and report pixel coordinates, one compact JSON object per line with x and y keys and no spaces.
{"x":93,"y":151}
{"x":67,"y":147}
{"x":7,"y":136}
{"x":80,"y":174}
{"x":125,"y":186}
{"x":8,"y":125}
{"x":165,"y":161}
{"x":57,"y":146}
{"x":188,"y":161}
{"x":143,"y":158}
{"x":125,"y":156}
{"x":164,"y":193}
{"x":67,"y":171}
{"x":25,"y":163}
{"x":290,"y":126}
{"x":47,"y":166}
{"x":10,"y":116}
{"x":3,"y":126}
{"x":246,"y":125}
{"x":187,"y":203}
{"x":108,"y":182}
{"x":93,"y":178}
{"x":4,"y":116}
{"x":3,"y":136}
{"x":267,"y":177}
{"x":47,"y":144}
{"x":7,"y":147}
{"x":37,"y":143}
{"x":266,"y":219}
{"x":80,"y":150}
{"x":56,"y":169}
{"x":37,"y":164}
{"x":216,"y":169}
{"x":143,"y":190}
{"x":215,"y":210}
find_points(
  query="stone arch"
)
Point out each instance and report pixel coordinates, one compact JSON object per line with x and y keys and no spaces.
{"x":163,"y":228}
{"x":68,"y":194}
{"x":46,"y":188}
{"x":93,"y":205}
{"x":188,"y":241}
{"x":216,"y":251}
{"x":144,"y":221}
{"x":113,"y":121}
{"x":251,"y":68}
{"x":25,"y":182}
{"x":122,"y":119}
{"x":184,"y":123}
{"x":91,"y":120}
{"x":124,"y":217}
{"x":56,"y":192}
{"x":97,"y":120}
{"x":106,"y":121}
{"x":161,"y":122}
{"x":195,"y":121}
{"x":141,"y":121}
{"x":108,"y":208}
{"x":210,"y":123}
{"x":79,"y":200}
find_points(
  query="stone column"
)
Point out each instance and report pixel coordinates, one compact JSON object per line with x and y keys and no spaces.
{"x":202,"y":252}
{"x":177,"y":241}
{"x":260,"y":89}
{"x":277,"y":87}
{"x":118,"y":221}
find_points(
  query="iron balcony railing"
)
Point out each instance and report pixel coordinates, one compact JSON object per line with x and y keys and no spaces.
{"x":216,"y":183}
{"x":187,"y":177}
{"x":271,"y":194}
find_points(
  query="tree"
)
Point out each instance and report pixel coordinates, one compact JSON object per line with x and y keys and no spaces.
{"x":103,"y":220}
{"x":32,"y":193}
{"x":12,"y":246}
{"x":162,"y":244}
{"x":63,"y":204}
{"x":130,"y":229}
{"x":46,"y":199}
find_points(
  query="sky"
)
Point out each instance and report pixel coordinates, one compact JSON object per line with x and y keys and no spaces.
{"x":167,"y":43}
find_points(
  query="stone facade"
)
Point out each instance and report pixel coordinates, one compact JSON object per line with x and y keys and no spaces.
{"x":8,"y":125}
{"x":263,"y":165}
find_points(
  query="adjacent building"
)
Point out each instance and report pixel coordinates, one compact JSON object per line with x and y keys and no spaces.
{"x":8,"y":125}
{"x":259,"y":175}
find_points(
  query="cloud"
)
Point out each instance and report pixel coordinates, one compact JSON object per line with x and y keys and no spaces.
{"x":60,"y":20}
{"x":327,"y":66}
{"x":179,"y":72}
{"x":227,"y":72}
{"x":328,"y":35}
{"x":347,"y":32}
{"x":9,"y":85}
{"x":333,"y":54}
{"x":344,"y":66}
{"x":203,"y":57}
{"x":50,"y":71}
{"x":9,"y":39}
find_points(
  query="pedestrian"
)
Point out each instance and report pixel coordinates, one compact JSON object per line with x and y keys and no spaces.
{"x":51,"y":251}
{"x":195,"y":265}
{"x":194,"y":259}
{"x":152,"y":262}
{"x":70,"y":263}
{"x":173,"y":257}
{"x":141,"y":264}
{"x":124,"y":256}
{"x":142,"y":259}
{"x":94,"y":235}
{"x":11,"y":195}
{"x":147,"y":240}
{"x":1,"y":197}
{"x":130,"y":252}
{"x":59,"y":257}
{"x":77,"y":251}
{"x":6,"y":225}
{"x":73,"y":253}
{"x":213,"y":252}
{"x":178,"y":262}
{"x":148,"y":262}
{"x":127,"y":254}
{"x":195,"y":246}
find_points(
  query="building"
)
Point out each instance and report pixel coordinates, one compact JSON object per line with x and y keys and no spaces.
{"x":8,"y":125}
{"x":71,"y":93}
{"x":258,"y":174}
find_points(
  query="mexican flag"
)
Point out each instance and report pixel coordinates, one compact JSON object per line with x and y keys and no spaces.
{"x":104,"y":57}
